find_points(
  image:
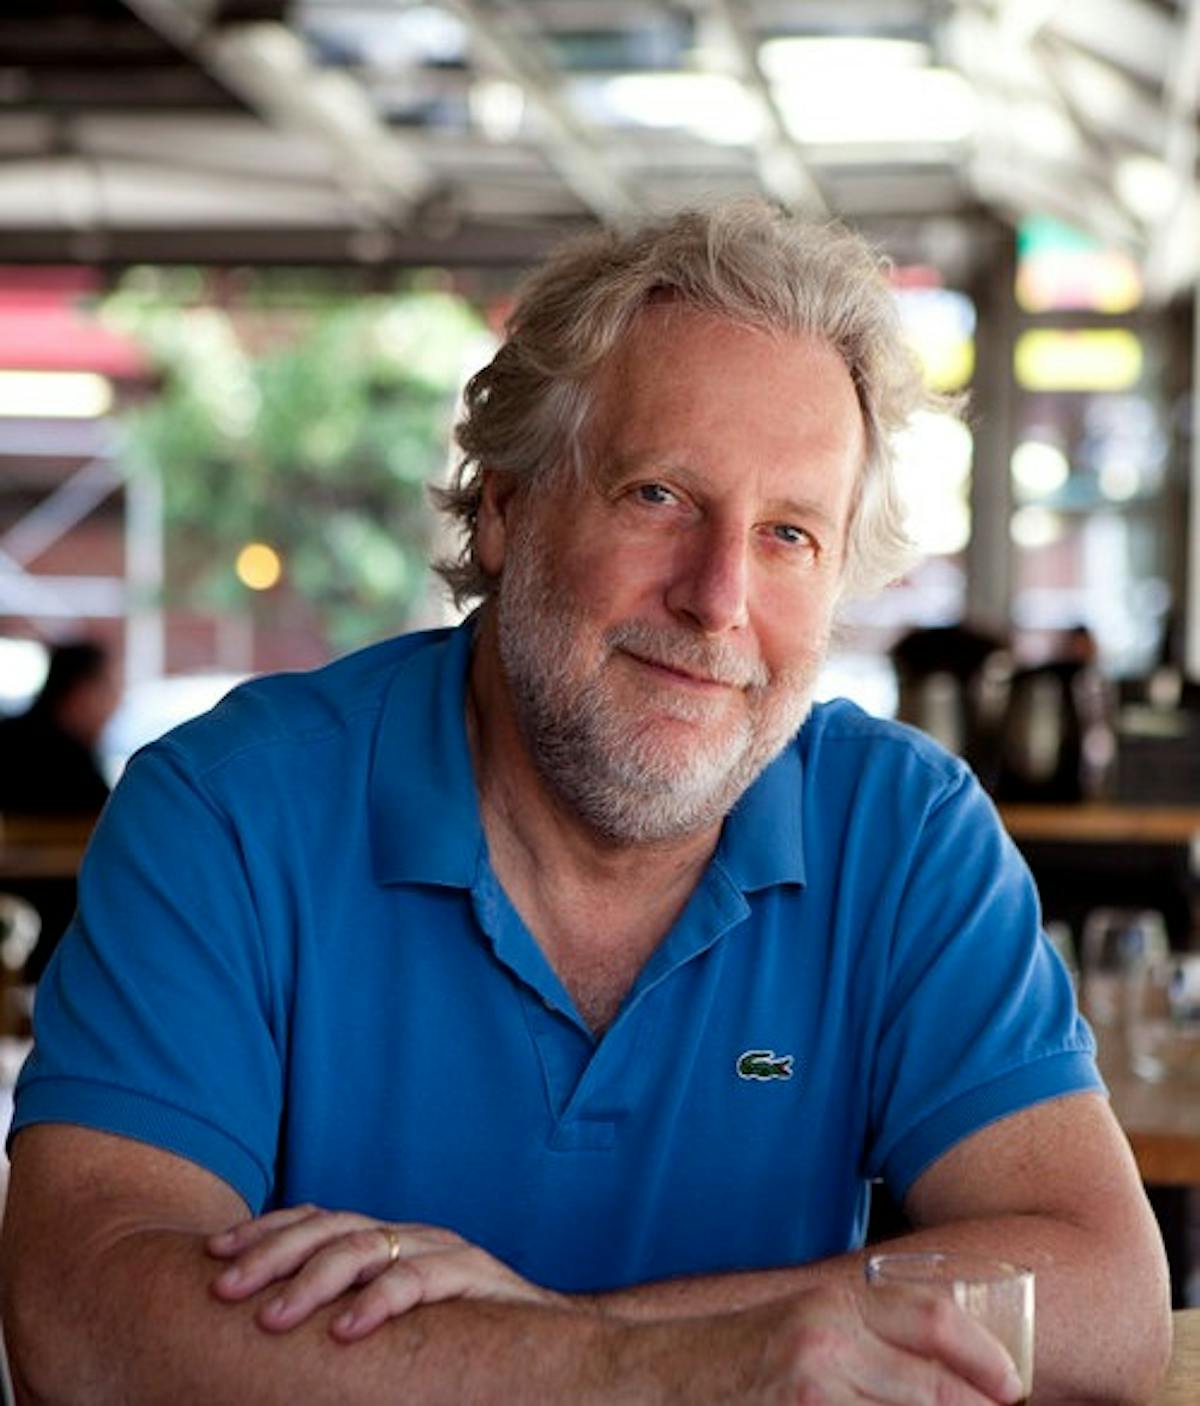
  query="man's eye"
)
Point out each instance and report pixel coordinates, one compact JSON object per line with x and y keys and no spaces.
{"x":793,"y":536}
{"x":655,"y":493}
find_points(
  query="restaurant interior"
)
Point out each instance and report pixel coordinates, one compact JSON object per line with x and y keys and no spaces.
{"x":251,"y":250}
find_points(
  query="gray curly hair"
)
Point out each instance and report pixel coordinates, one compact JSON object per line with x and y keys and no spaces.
{"x":526,"y":412}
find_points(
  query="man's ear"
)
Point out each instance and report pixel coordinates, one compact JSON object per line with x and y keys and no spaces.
{"x":493,"y":525}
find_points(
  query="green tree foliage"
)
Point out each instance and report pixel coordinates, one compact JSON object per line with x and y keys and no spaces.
{"x":314,"y":428}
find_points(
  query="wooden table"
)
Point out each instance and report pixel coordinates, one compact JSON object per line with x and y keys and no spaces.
{"x":33,"y":847}
{"x":1161,"y":1121}
{"x":1103,"y":822}
{"x":1108,"y":855}
{"x":1182,"y":1386}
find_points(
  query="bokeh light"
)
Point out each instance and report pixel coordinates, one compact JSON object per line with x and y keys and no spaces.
{"x":258,"y":566}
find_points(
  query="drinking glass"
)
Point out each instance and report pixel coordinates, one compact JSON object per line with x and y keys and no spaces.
{"x":1119,"y":948}
{"x":1163,"y":1038}
{"x":995,"y":1293}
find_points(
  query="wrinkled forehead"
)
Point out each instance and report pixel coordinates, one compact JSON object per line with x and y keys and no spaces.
{"x":655,"y":331}
{"x":675,"y":356}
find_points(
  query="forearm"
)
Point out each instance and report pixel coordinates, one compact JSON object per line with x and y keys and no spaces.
{"x":148,"y":1329}
{"x":718,"y":1293}
{"x":1101,"y":1322}
{"x":108,"y":1292}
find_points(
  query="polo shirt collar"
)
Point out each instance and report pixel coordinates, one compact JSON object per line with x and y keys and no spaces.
{"x":762,"y":841}
{"x":424,"y":808}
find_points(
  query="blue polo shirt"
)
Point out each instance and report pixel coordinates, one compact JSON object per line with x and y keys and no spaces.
{"x":293,"y":964}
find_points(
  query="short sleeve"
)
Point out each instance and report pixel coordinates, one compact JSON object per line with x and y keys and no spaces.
{"x":980,"y":1018}
{"x":158,"y":1017}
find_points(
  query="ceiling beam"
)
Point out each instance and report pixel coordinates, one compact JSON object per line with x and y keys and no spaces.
{"x":570,"y":145}
{"x":1136,"y":37}
{"x":267,"y":66}
{"x":1174,"y":258}
{"x":1082,"y":193}
{"x":291,"y":243}
{"x":1044,"y":52}
{"x":781,"y":165}
{"x":1024,"y":188}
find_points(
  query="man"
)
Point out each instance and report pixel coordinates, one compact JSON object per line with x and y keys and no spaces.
{"x":556,"y":985}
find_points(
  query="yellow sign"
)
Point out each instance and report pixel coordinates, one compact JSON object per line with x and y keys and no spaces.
{"x":1108,"y":359}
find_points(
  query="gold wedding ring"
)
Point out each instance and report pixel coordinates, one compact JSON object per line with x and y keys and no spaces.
{"x":392,"y":1236}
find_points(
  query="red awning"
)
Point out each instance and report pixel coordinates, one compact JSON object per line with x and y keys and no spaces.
{"x":44,"y":327}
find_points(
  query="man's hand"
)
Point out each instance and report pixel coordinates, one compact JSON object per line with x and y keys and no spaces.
{"x":839,"y":1345}
{"x":319,"y":1255}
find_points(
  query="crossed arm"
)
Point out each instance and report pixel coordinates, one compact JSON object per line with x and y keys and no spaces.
{"x":110,"y":1284}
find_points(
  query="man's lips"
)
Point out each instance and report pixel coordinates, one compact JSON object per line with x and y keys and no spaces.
{"x":677,"y":674}
{"x":687,"y":662}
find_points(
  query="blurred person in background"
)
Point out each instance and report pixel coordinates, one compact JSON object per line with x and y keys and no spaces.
{"x":50,"y":772}
{"x":520,"y":1012}
{"x":49,"y":763}
{"x":1056,"y":738}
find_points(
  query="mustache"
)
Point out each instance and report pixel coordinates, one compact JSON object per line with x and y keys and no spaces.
{"x":715,"y":660}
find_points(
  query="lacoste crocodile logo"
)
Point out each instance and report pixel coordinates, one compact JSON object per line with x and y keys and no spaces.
{"x":764,"y":1064}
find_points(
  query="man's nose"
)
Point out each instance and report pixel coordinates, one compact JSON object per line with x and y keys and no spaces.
{"x":711,"y":582}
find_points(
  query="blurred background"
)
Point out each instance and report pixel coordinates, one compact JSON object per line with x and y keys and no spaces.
{"x":250,"y":250}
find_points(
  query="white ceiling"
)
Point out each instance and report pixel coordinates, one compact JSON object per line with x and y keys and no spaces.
{"x":479,"y":130}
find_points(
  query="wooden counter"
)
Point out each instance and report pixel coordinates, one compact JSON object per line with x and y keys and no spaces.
{"x":1182,"y":1386}
{"x":1095,"y":855}
{"x":32,"y":847}
{"x":1161,"y":1121}
{"x":1103,"y":822}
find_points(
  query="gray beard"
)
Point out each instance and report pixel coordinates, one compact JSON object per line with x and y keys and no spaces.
{"x":606,"y":766}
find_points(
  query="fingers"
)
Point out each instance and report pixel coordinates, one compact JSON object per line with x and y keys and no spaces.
{"x":276,"y":1245}
{"x":227,"y":1244}
{"x":428,"y":1276}
{"x":328,"y":1272}
{"x":933,"y":1328}
{"x":889,"y":1374}
{"x":316,"y":1256}
{"x":432,"y":1275}
{"x":325,"y":1250}
{"x":837,"y":1344}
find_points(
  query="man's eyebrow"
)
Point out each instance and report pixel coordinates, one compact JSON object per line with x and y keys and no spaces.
{"x":805,"y":509}
{"x":617,"y":465}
